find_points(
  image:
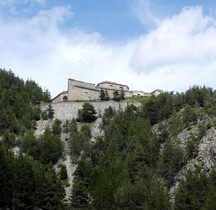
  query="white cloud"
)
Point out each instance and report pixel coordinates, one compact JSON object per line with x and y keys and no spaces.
{"x":183,"y":43}
{"x":143,"y":10}
{"x":180,"y":52}
{"x":52,"y":16}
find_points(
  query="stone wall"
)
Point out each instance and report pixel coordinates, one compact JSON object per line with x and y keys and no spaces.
{"x":63,"y":96}
{"x":140,"y":93}
{"x":113,"y":86}
{"x":78,"y":93}
{"x":69,"y":110}
{"x":75,"y":83}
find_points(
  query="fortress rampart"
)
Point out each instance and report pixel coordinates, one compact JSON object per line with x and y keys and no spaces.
{"x":83,"y":91}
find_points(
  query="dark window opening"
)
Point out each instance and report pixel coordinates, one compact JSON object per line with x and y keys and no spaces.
{"x":65,"y":98}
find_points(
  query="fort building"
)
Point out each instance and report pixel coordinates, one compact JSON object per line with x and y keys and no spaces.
{"x":84,"y":91}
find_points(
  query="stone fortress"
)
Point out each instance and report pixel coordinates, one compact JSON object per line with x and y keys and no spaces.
{"x":83,"y":91}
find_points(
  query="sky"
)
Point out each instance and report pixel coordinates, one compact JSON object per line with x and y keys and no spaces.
{"x":145,"y":44}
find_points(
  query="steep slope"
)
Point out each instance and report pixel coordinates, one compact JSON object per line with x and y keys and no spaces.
{"x":67,"y":111}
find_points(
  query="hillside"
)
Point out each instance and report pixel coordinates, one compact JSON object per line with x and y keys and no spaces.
{"x":155,"y":154}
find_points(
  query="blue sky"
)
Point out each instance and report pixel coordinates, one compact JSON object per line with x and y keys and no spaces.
{"x":146,"y":44}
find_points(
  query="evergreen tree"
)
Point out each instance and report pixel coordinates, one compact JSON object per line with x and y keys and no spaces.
{"x":52,"y":193}
{"x":23,"y":185}
{"x":63,"y":172}
{"x":30,"y":145}
{"x":87,"y":113}
{"x":102,"y":95}
{"x":56,"y":127}
{"x":210,"y":203}
{"x":122,"y":95}
{"x":80,"y":192}
{"x":9,"y":138}
{"x":6,"y":178}
{"x":107,"y":98}
{"x":50,"y":147}
{"x":50,"y":111}
{"x":116,"y":96}
{"x":170,"y":161}
{"x":18,"y":104}
{"x":192,"y":192}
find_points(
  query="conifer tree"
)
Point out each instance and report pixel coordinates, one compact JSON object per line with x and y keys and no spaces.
{"x":80,"y":192}
{"x":102,"y":95}
{"x":87,"y":113}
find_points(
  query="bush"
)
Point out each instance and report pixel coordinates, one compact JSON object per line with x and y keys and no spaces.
{"x":63,"y":172}
{"x":87,"y":113}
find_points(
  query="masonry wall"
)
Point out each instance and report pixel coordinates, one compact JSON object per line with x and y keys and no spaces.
{"x":85,"y":94}
{"x":140,"y":93}
{"x":69,"y":110}
{"x":61,"y":97}
{"x":112,"y":86}
{"x":75,"y":83}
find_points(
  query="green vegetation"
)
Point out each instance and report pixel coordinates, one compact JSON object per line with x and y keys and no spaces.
{"x":104,"y":96}
{"x":47,"y":148}
{"x":27,"y":181}
{"x":87,"y":113}
{"x":132,"y":166}
{"x":63,"y":173}
{"x":118,"y":96}
{"x":19,"y":103}
{"x":28,"y":184}
{"x":48,"y":114}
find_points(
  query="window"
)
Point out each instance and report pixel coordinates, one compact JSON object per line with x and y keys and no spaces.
{"x":65,"y":98}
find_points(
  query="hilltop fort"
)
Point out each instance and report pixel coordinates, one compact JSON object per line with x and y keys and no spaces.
{"x":79,"y":90}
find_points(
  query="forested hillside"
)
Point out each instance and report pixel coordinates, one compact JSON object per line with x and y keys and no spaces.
{"x":142,"y":156}
{"x":158,"y":156}
{"x":26,"y":181}
{"x":18,"y":103}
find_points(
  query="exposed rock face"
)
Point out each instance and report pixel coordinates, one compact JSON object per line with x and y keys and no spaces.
{"x":186,"y":136}
{"x":206,"y":156}
{"x":71,"y":167}
{"x":41,"y":125}
{"x":207,"y":150}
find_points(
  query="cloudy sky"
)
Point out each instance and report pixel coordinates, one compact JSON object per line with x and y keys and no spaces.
{"x":146,"y":44}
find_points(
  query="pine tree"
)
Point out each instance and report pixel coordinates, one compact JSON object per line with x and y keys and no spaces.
{"x":6,"y":178}
{"x":192,"y":192}
{"x":80,"y":192}
{"x":87,"y":113}
{"x":116,"y":96}
{"x":122,"y":95}
{"x":107,"y":98}
{"x":50,"y":111}
{"x":23,"y":184}
{"x":63,"y":172}
{"x":102,"y":95}
{"x":56,"y":127}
